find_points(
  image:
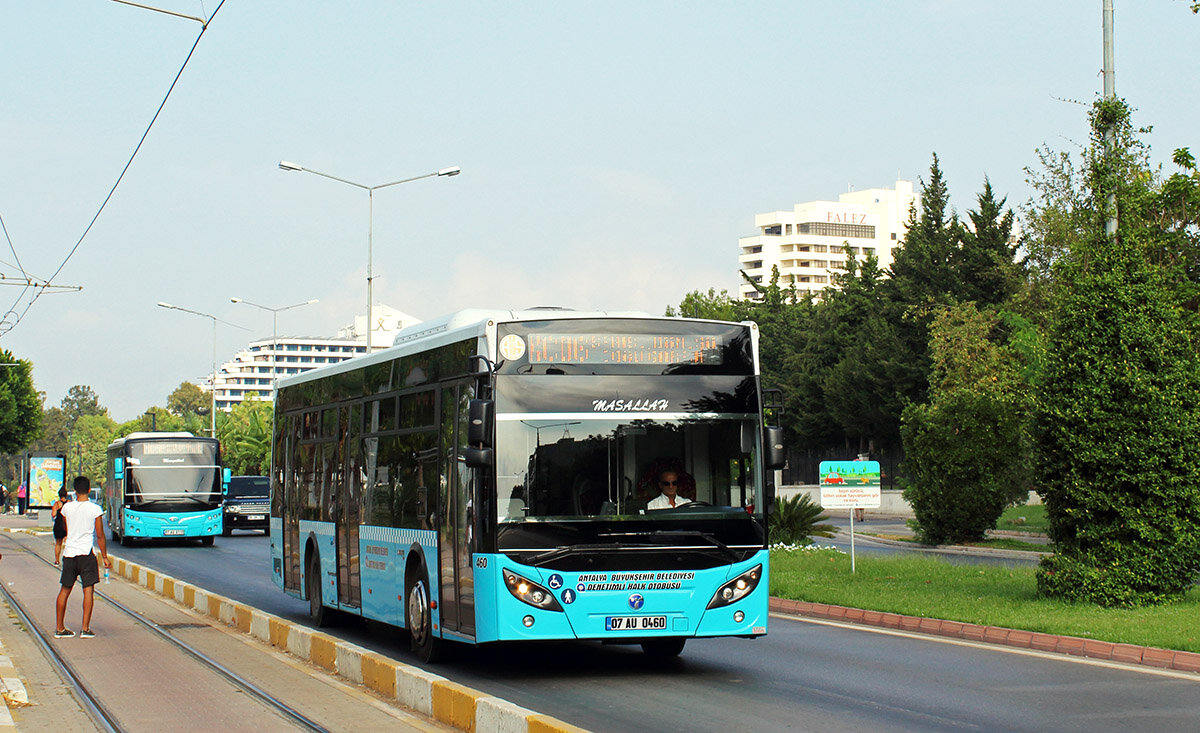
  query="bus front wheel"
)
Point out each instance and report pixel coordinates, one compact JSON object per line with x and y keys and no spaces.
{"x":418,"y":616}
{"x":663,"y":648}
{"x":207,"y":541}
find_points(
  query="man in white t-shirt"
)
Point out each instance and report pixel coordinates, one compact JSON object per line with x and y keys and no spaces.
{"x":668,"y":484}
{"x":83,"y":523}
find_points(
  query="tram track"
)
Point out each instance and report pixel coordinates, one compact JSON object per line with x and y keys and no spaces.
{"x":102,"y":715}
{"x":80,"y":690}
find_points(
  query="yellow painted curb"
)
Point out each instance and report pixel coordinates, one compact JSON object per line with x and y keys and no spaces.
{"x":539,"y":723}
{"x":323,"y":652}
{"x":379,"y":675}
{"x":454,"y":704}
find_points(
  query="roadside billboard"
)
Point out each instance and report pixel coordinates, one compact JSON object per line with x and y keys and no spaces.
{"x":850,"y":485}
{"x":46,"y":474}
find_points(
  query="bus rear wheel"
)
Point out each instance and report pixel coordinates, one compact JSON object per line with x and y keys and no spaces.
{"x":418,"y":617}
{"x":663,"y":648}
{"x":317,"y":611}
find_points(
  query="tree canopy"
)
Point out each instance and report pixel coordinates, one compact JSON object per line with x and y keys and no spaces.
{"x":20,"y":406}
{"x":1119,"y":408}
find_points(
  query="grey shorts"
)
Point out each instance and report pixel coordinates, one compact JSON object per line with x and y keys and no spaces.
{"x":80,"y":566}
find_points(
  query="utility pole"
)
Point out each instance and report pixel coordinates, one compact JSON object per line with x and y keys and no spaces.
{"x":1110,"y":93}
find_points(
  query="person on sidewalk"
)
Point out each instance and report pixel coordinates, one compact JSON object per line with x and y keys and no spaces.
{"x":84,"y":522}
{"x":60,"y":524}
{"x":22,"y":498}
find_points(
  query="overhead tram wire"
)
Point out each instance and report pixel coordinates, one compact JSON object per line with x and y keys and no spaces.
{"x":26,"y":281}
{"x":5,"y":326}
{"x":11,"y":247}
{"x":41,"y":289}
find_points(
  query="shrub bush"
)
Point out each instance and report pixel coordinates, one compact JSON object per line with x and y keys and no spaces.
{"x":796,"y":521}
{"x":965,"y":457}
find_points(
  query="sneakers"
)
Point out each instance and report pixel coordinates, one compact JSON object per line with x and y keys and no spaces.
{"x":87,"y":634}
{"x":64,"y":634}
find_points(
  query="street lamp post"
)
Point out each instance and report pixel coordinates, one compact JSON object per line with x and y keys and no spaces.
{"x":274,"y":333}
{"x":451,"y":171}
{"x":213,"y":384}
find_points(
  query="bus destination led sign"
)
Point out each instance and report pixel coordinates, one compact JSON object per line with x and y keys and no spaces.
{"x":612,"y":348}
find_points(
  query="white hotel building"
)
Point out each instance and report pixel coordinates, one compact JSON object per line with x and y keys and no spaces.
{"x":806,"y":243}
{"x":252,"y":368}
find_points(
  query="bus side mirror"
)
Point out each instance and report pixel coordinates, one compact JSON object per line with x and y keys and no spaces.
{"x":226,"y":474}
{"x":481,"y":416}
{"x":773,"y":441}
{"x":479,"y":366}
{"x":479,"y":457}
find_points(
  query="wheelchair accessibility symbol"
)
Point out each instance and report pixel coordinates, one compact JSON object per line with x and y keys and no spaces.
{"x":556,"y":581}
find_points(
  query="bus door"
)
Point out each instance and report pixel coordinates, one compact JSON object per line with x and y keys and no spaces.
{"x":456,"y":531}
{"x":297,"y":486}
{"x":114,"y":493}
{"x":347,"y":506}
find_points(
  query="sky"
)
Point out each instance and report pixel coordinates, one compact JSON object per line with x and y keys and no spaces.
{"x":612,"y":153}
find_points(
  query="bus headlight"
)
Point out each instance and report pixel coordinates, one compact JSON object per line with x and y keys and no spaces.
{"x":736,"y":589}
{"x":527,"y":591}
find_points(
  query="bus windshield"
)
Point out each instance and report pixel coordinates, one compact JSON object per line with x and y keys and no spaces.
{"x":553,"y":469}
{"x":172,"y":475}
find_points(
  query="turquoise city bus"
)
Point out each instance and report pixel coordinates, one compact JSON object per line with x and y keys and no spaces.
{"x":163,"y":486}
{"x":494,"y":476}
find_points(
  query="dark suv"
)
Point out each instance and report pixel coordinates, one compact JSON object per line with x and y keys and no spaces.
{"x":247,"y":504}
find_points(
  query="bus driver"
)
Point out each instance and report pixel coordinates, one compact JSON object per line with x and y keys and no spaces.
{"x":668,"y":484}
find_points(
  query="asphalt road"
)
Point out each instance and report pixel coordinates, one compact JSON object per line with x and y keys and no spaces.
{"x":866,"y":545}
{"x":804,"y":675}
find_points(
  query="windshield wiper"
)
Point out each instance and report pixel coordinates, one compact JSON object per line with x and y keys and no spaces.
{"x":564,"y":551}
{"x":711,"y":539}
{"x":174,"y":499}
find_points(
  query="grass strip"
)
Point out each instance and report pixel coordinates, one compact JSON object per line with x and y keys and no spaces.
{"x":991,"y":595}
{"x":1024,"y":518}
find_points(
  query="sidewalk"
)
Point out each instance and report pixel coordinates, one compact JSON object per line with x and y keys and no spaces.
{"x":424,"y":700}
{"x":147,"y":683}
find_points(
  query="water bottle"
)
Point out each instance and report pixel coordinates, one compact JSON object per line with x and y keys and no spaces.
{"x":106,"y":576}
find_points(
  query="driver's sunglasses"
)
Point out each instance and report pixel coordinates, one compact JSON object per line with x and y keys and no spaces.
{"x":668,"y":483}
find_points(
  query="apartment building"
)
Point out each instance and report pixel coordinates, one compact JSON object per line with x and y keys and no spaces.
{"x":252,"y":370}
{"x":807,"y":243}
